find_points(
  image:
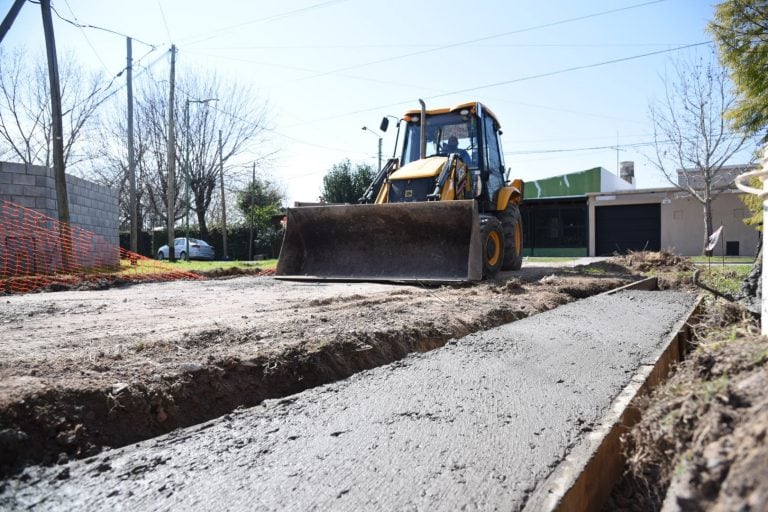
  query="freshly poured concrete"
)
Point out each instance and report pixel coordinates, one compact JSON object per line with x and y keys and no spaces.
{"x":474,"y":425}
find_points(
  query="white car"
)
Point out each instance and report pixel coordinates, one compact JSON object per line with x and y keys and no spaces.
{"x":198,"y":250}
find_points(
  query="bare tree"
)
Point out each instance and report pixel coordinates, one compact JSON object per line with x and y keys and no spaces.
{"x":240,"y":116}
{"x":25,"y":114}
{"x":692,"y":140}
{"x":150,"y":146}
{"x":238,"y":113}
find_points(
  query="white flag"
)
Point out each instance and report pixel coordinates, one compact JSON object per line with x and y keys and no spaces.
{"x":712,"y":242}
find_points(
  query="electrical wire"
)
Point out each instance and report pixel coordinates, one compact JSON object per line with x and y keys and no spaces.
{"x":433,"y":46}
{"x":95,"y":27}
{"x":514,"y":80}
{"x":280,"y":134}
{"x":85,"y":36}
{"x":165,"y":21}
{"x":487,"y":38}
{"x":213,"y":34}
{"x":106,"y":87}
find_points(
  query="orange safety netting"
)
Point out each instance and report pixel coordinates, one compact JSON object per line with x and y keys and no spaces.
{"x":41,"y":253}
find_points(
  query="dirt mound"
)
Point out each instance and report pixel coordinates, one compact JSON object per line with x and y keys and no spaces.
{"x":701,"y":444}
{"x":235,"y":272}
{"x":645,"y":261}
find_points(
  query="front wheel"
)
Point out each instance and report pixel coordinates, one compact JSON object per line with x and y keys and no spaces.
{"x":183,"y":256}
{"x":160,"y":255}
{"x":492,"y":243}
{"x":512,"y":226}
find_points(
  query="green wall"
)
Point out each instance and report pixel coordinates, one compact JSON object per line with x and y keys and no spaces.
{"x":574,"y":184}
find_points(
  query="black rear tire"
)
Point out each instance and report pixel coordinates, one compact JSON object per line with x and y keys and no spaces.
{"x":512,"y":226}
{"x":492,"y":244}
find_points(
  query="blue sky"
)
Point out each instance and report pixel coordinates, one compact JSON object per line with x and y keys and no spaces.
{"x":327,"y":68}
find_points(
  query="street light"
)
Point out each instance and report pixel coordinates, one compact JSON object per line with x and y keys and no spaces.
{"x":385,"y":125}
{"x":373,"y":132}
{"x":186,"y":177}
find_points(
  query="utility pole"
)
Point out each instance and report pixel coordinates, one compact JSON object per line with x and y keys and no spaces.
{"x":5,"y":26}
{"x":187,"y":167}
{"x":186,"y":178}
{"x":171,"y":186}
{"x":380,"y":137}
{"x":223,"y":198}
{"x":250,"y":217}
{"x":131,"y":156}
{"x":59,"y":172}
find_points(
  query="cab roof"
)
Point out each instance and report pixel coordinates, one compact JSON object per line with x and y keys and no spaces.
{"x":471,"y":105}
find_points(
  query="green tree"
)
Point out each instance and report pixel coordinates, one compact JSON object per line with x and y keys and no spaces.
{"x":740,"y":29}
{"x":754,"y":204}
{"x":259,"y":203}
{"x":343,"y":184}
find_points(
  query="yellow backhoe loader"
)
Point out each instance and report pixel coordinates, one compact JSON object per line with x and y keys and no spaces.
{"x":444,"y":211}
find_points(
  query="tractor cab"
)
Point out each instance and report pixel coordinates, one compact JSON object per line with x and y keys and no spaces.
{"x":470,"y":131}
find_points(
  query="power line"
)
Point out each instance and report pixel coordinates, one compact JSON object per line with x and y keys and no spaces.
{"x":412,"y":85}
{"x":515,"y":80}
{"x":165,"y":22}
{"x":271,"y":130}
{"x":575,"y":68}
{"x":590,"y":148}
{"x":486,"y":38}
{"x":106,"y":87}
{"x":435,"y":46}
{"x":593,"y":148}
{"x":95,"y":27}
{"x":296,"y":68}
{"x":191,"y":41}
{"x":82,"y":31}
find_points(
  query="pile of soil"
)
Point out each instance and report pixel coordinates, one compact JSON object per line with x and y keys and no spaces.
{"x":218,"y":273}
{"x":701,"y":444}
{"x":645,"y":261}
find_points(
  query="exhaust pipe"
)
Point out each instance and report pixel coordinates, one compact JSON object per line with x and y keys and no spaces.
{"x":423,"y":141}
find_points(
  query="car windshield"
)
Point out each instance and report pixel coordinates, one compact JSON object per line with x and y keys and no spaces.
{"x":440,"y":128}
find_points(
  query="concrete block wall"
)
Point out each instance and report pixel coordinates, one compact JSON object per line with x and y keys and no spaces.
{"x":92,"y":207}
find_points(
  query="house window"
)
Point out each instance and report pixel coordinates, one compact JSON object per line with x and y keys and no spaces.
{"x":559,"y":227}
{"x":731,"y":248}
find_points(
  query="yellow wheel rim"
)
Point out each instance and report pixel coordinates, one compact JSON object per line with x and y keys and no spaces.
{"x":494,"y":255}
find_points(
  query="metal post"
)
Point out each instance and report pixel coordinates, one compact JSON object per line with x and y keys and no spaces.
{"x":764,"y":302}
{"x":380,"y":141}
{"x":742,"y":183}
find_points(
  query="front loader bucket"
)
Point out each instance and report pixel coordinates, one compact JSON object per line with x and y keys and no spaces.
{"x":422,"y":241}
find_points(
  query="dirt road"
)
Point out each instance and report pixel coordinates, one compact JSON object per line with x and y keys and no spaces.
{"x":473,"y":425}
{"x":80,"y":370}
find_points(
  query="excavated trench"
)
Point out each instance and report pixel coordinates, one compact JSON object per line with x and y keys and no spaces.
{"x":59,"y":401}
{"x":484,"y":423}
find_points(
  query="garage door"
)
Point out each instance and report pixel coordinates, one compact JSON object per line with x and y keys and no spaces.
{"x":620,"y":229}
